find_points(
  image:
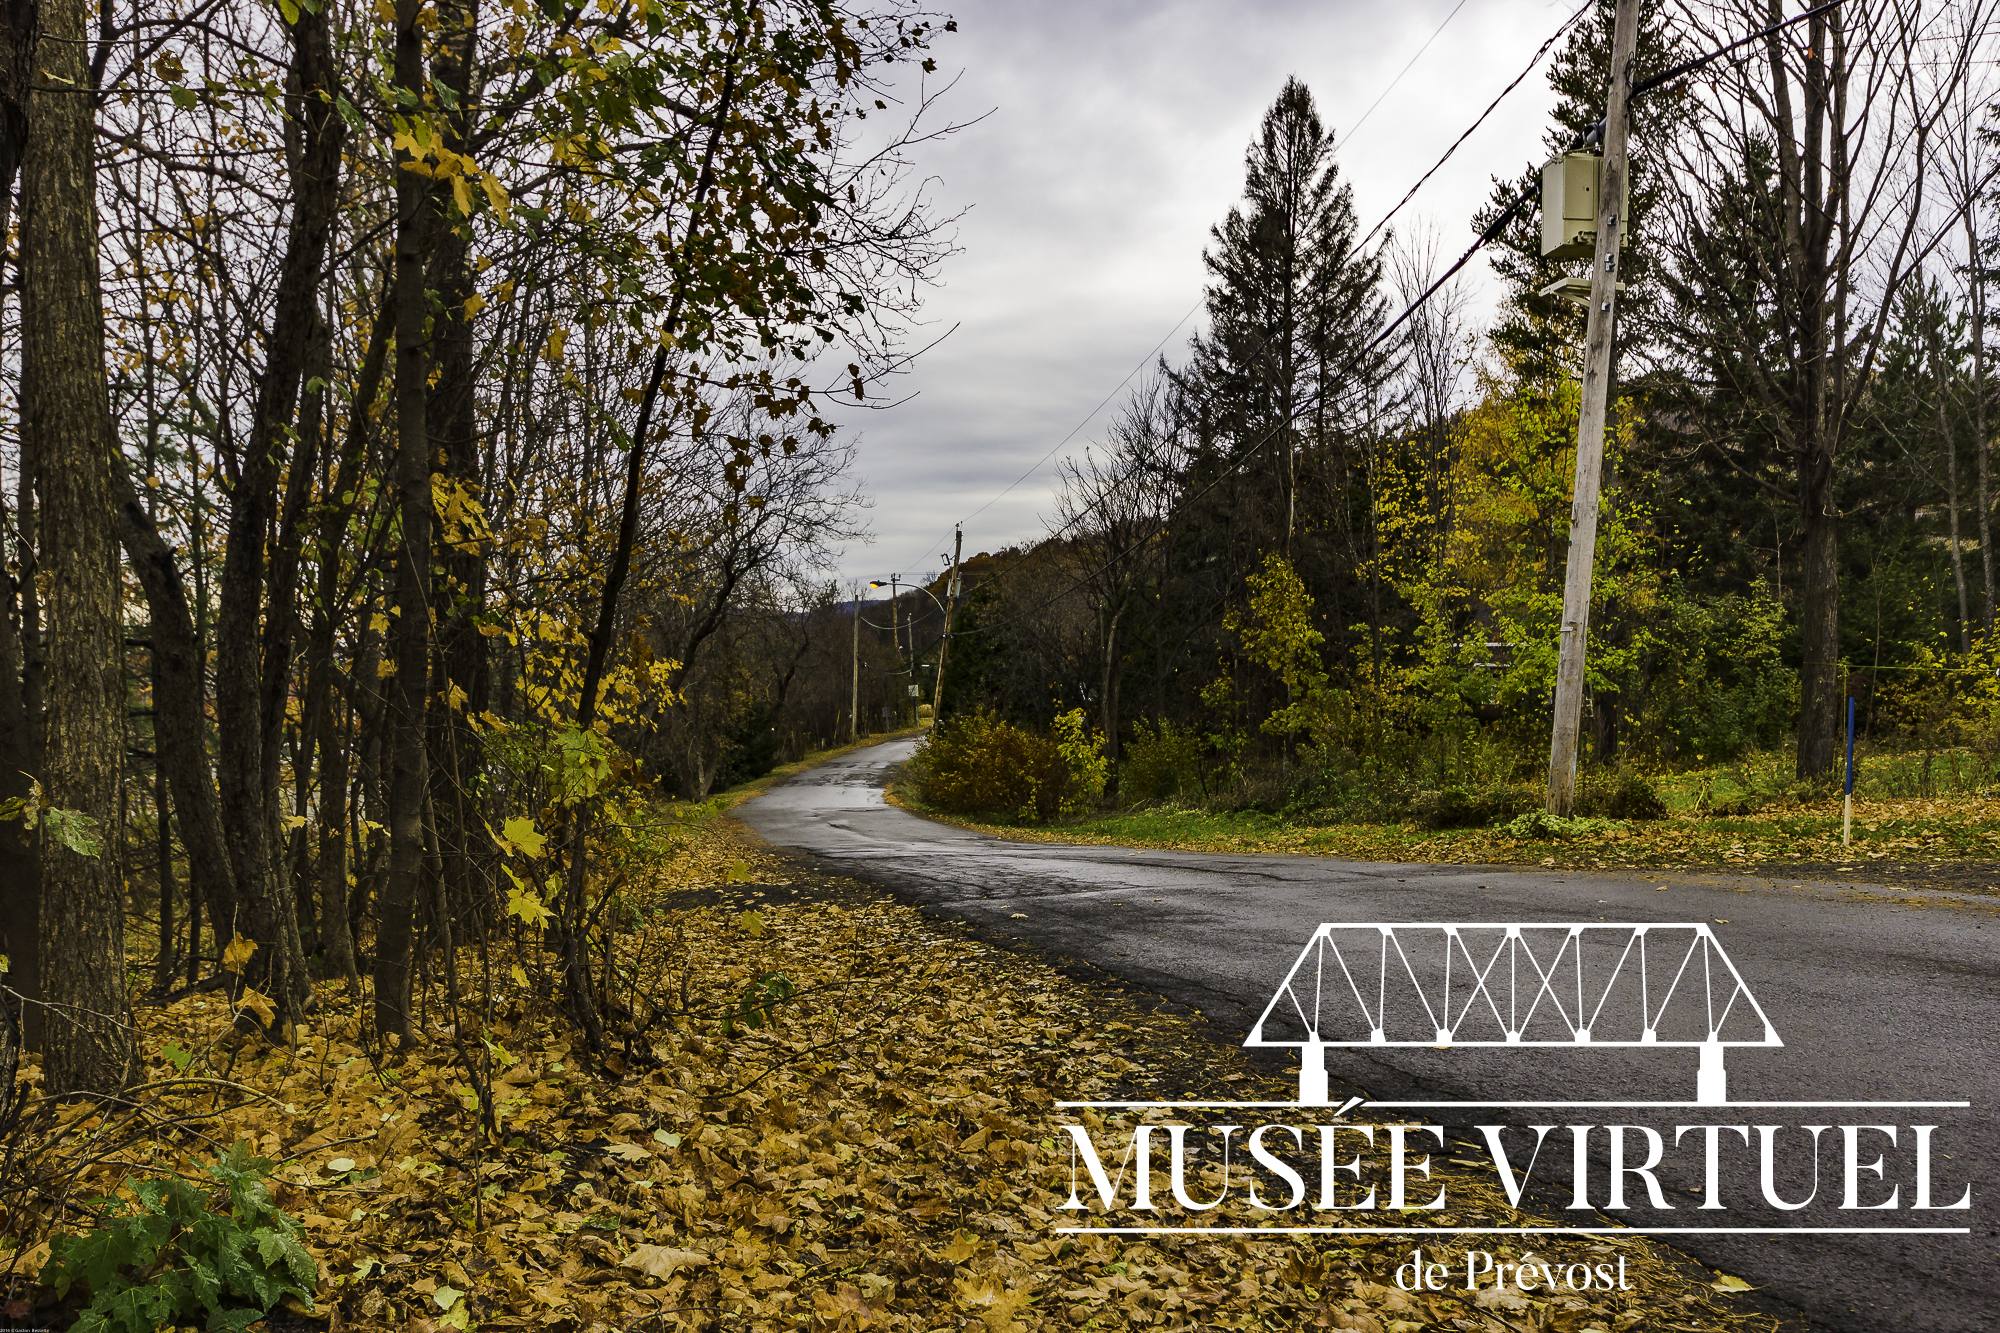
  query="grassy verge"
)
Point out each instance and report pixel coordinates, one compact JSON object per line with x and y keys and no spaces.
{"x":1955,"y":774}
{"x":1906,"y":834}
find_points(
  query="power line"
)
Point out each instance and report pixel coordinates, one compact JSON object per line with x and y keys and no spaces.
{"x":1406,"y":69}
{"x":1526,"y":70}
{"x":1535,"y":60}
{"x":1498,"y":225}
{"x":1493,"y":230}
{"x":1507,"y":215}
{"x":1241,"y":458}
{"x":1087,"y":418}
{"x":1553,"y":38}
{"x":1193,"y":309}
{"x":1689,"y":66}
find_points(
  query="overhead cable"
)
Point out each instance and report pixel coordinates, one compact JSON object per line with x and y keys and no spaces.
{"x":1526,"y":70}
{"x":1544,"y":49}
{"x":1492,"y":231}
{"x":1406,"y":69}
{"x":1192,"y":310}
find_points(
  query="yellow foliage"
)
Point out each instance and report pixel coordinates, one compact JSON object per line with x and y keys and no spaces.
{"x":461,"y":518}
{"x":236,"y":954}
{"x":518,"y":835}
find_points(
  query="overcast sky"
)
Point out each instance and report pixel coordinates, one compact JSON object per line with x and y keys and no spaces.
{"x":1115,"y":140}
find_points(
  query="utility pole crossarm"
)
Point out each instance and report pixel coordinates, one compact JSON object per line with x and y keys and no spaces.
{"x":1597,"y":373}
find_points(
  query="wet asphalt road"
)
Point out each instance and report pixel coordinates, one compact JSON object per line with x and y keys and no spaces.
{"x":1888,"y":995}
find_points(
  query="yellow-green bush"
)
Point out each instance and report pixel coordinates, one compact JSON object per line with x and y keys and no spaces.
{"x":1083,"y":759}
{"x":1161,"y":761}
{"x":977,"y":764}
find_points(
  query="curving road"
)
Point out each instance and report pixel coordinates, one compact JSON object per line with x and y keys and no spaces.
{"x":1889,"y":995}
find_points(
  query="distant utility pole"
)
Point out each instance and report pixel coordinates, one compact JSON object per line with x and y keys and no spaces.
{"x":950,"y":603}
{"x":1597,"y":349}
{"x":896,"y":636}
{"x":854,"y":703}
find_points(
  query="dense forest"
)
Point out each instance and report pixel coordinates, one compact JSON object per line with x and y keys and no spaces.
{"x":1316,"y":569}
{"x":420,"y":460}
{"x":419,"y":447}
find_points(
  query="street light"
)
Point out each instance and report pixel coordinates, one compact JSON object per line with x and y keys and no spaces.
{"x":893,"y":585}
{"x":940,"y":605}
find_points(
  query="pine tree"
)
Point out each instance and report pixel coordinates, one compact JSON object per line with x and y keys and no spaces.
{"x":1291,"y":308}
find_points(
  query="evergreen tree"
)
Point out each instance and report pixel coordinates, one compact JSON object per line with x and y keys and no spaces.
{"x":1291,"y":306}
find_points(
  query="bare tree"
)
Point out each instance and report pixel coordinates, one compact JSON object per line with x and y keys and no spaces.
{"x":1438,"y":345}
{"x":1800,"y":211}
{"x":1117,"y":504}
{"x":1969,"y":169}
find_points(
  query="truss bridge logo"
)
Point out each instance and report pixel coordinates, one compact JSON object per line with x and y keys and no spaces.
{"x":1521,"y":985}
{"x":1662,"y":1004}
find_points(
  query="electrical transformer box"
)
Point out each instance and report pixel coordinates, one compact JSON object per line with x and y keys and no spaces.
{"x":1570,"y":189}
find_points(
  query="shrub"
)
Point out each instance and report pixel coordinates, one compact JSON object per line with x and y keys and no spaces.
{"x":1621,"y":794}
{"x":1541,"y":826}
{"x":976,"y":764}
{"x":170,"y":1257}
{"x":1461,"y":807}
{"x":1161,"y":761}
{"x":1084,"y":765}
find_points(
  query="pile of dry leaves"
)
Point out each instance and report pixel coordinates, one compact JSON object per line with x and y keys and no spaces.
{"x":870,"y":1145}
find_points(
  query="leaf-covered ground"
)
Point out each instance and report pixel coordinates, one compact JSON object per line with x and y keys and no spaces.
{"x":1953,"y":842}
{"x":882,"y":1155}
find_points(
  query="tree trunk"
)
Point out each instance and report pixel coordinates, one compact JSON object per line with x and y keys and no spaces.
{"x":1111,"y":675}
{"x":336,"y":942}
{"x":1950,"y":447}
{"x":467,"y":854}
{"x":253,"y":639}
{"x":336,"y":849}
{"x":88,"y":1045}
{"x":408,"y":776}
{"x":282,"y":629}
{"x":1819,"y":625}
{"x":1819,"y":570}
{"x":163,"y":967}
{"x":180,"y":716}
{"x":20,"y":868}
{"x":20,"y":634}
{"x":1977,"y":295}
{"x":1807,"y":228}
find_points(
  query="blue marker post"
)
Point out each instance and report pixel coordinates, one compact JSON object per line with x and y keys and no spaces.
{"x":1847,"y":799}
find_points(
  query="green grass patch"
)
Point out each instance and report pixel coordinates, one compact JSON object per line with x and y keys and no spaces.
{"x":1899,"y":831}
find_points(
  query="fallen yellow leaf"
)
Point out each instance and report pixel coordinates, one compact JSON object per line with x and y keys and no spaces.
{"x":662,"y":1261}
{"x":259,"y":1005}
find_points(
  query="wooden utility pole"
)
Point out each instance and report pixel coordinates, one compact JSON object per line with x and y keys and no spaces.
{"x":950,"y":602}
{"x":1597,"y":358}
{"x":854,"y":702}
{"x":896,"y":634}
